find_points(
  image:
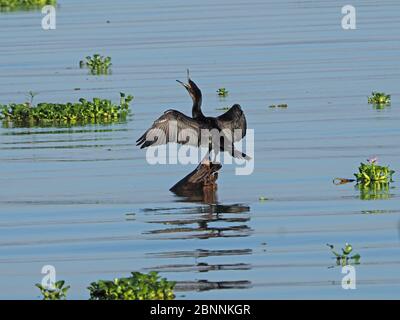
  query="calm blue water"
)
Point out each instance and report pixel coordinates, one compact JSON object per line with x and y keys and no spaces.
{"x":85,"y":200}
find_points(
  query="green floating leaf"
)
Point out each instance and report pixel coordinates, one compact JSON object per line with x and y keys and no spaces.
{"x":347,"y":249}
{"x":344,"y":259}
{"x":58,"y":293}
{"x":283,"y":105}
{"x":138,"y":286}
{"x":13,"y":5}
{"x":222,"y":92}
{"x":379,"y":99}
{"x":97,"y":64}
{"x":372,"y":172}
{"x":47,"y":114}
{"x":223,"y":108}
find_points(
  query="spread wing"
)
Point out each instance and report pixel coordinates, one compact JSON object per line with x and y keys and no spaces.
{"x":234,"y":120}
{"x":172,"y":126}
{"x":224,"y":143}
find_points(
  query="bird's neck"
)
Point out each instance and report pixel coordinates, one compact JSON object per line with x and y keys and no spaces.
{"x":196,"y":109}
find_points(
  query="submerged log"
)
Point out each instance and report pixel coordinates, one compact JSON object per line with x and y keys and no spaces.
{"x":200,"y":184}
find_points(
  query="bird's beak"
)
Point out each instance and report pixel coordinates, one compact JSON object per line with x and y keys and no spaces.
{"x":184,"y":84}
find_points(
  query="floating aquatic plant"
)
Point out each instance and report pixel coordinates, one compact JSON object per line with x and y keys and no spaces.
{"x":372,"y":180}
{"x":372,"y":172}
{"x":375,"y":211}
{"x":379,"y":98}
{"x":11,"y":5}
{"x":59,"y":292}
{"x":279,"y":106}
{"x":345,"y":258}
{"x":222,"y":92}
{"x":97,"y":64}
{"x":95,"y":111}
{"x":138,"y":286}
{"x":223,"y":108}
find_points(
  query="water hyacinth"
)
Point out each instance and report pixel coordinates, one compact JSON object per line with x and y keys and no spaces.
{"x":11,"y":5}
{"x":372,"y":172}
{"x":345,"y":258}
{"x":222,"y":92}
{"x":283,"y":105}
{"x":138,"y":286}
{"x":223,"y":108}
{"x":379,"y":98}
{"x":97,"y":64}
{"x":95,"y":111}
{"x":59,"y":292}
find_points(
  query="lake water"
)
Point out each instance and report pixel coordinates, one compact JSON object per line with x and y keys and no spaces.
{"x":84,"y":199}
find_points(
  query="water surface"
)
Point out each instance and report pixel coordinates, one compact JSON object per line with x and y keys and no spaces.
{"x":85,"y":200}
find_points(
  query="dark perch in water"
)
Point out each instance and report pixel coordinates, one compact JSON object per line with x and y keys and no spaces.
{"x":200,"y":184}
{"x":216,"y":133}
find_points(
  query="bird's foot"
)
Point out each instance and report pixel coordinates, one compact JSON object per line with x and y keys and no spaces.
{"x":206,"y":162}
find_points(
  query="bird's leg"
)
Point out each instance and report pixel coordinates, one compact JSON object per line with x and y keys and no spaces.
{"x":207,"y":159}
{"x":209,"y":149}
{"x":215,"y":157}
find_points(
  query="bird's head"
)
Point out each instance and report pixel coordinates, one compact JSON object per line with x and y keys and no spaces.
{"x":192,"y":88}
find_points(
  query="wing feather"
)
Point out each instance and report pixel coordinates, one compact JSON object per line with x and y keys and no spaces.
{"x":234,"y":120}
{"x":172,"y":126}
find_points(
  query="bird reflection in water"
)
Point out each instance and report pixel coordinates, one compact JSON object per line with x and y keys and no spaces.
{"x":209,"y":220}
{"x":200,"y":222}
